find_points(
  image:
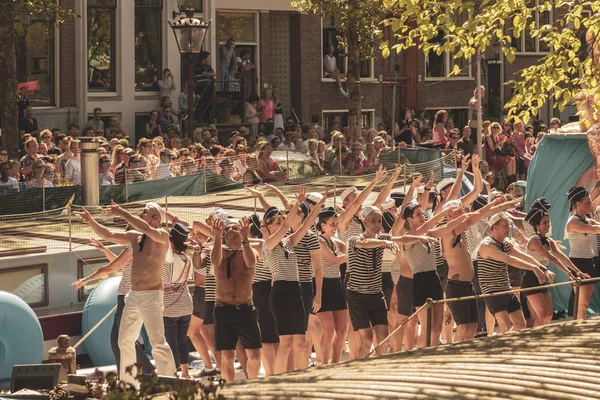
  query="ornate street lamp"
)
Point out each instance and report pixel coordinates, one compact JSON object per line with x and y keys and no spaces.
{"x":190,"y":33}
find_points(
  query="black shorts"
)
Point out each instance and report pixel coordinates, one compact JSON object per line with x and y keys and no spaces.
{"x":287,"y":308}
{"x":426,"y":285}
{"x":387,"y":286}
{"x":307,"y":298}
{"x":260,"y":296}
{"x":332,"y":298}
{"x":463,"y":312}
{"x":530,"y":281}
{"x":587,"y":266}
{"x":442,"y":271}
{"x":367,"y":310}
{"x":209,"y":311}
{"x":198,"y":299}
{"x":506,"y":302}
{"x":404,"y":293}
{"x":236,"y":322}
{"x":515,"y":276}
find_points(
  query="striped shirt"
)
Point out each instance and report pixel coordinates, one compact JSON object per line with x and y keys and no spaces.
{"x":421,"y":257}
{"x":364,"y":265}
{"x":538,"y":257}
{"x":331,"y":271}
{"x":210,"y":286}
{"x":261,"y":272}
{"x":582,"y":245}
{"x":282,"y":261}
{"x":179,"y":302}
{"x":354,"y":228}
{"x":493,"y":274}
{"x":125,"y":284}
{"x":308,"y":244}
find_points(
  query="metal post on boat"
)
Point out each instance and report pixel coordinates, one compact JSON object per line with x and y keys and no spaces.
{"x":255,"y":188}
{"x":398,"y":147}
{"x":340,"y":163}
{"x":204,"y":176}
{"x":334,"y":190}
{"x":70,"y":228}
{"x":90,"y":179}
{"x":126,"y":191}
{"x":167,"y":206}
{"x":576,"y":298}
{"x":404,"y":169}
{"x":455,"y":163}
{"x":287,"y":163}
{"x":43,"y":197}
{"x":429,"y":322}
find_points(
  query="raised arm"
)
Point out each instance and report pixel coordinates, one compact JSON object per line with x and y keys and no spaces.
{"x":457,"y":185}
{"x":308,"y":221}
{"x":536,"y":245}
{"x":203,"y":228}
{"x":577,"y":226}
{"x":275,"y":238}
{"x":424,"y":198}
{"x":123,"y":258}
{"x":470,"y":197}
{"x":566,"y":262}
{"x":345,"y":218}
{"x":158,"y":235}
{"x":491,"y":251}
{"x":327,"y":255}
{"x":216,"y":254}
{"x":110,"y":256}
{"x":284,"y":201}
{"x":385,"y":192}
{"x":247,"y":250}
{"x":257,"y":194}
{"x":101,"y":230}
{"x":515,"y":252}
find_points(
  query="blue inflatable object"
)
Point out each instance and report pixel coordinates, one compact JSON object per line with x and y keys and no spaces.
{"x":557,"y":165}
{"x":102,"y":299}
{"x":21,"y":337}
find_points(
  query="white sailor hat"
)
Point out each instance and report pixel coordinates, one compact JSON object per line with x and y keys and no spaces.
{"x":313,"y":198}
{"x":368,"y":210}
{"x":444,"y":183}
{"x":452,"y":204}
{"x":388,"y":203}
{"x":347,"y":192}
{"x":495,"y":218}
{"x":159,"y":209}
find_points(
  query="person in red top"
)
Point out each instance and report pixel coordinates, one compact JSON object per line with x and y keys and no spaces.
{"x":268,"y":169}
{"x":266,"y":110}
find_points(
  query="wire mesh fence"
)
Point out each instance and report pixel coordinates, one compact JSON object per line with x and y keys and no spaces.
{"x":60,"y":229}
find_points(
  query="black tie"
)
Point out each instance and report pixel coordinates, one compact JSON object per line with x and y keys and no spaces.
{"x":142,"y":240}
{"x":229,"y":263}
{"x":457,"y":241}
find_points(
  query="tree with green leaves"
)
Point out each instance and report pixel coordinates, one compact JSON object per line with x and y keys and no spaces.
{"x":568,"y":73}
{"x":43,"y":10}
{"x":358,"y":23}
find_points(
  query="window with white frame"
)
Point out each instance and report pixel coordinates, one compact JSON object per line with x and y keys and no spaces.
{"x":528,"y":44}
{"x":331,"y":43}
{"x":339,"y":118}
{"x":101,"y":23}
{"x":441,"y":65}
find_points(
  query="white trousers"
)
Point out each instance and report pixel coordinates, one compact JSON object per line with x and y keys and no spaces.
{"x":144,"y":308}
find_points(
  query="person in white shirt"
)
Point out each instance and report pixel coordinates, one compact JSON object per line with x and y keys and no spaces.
{"x":162,"y":168}
{"x":73,"y":166}
{"x":7,"y":183}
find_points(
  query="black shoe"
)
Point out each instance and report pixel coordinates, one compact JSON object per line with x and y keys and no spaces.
{"x":205,"y":373}
{"x":481,"y":334}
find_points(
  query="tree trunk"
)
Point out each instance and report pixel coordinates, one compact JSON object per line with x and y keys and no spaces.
{"x":355,"y":109}
{"x":8,"y":80}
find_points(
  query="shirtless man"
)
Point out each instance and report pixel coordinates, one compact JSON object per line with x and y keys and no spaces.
{"x":460,"y":266}
{"x":144,"y":304}
{"x":235,"y":315}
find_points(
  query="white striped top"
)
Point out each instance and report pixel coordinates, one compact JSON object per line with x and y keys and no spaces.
{"x":308,"y":244}
{"x":421,"y":258}
{"x":282,"y":261}
{"x":493,"y":274}
{"x":354,"y":228}
{"x":210,"y":286}
{"x":582,"y":245}
{"x":261,"y":272}
{"x":388,"y":261}
{"x":178,"y":303}
{"x":125,"y":284}
{"x":364,"y":265}
{"x":540,"y":258}
{"x":331,"y":271}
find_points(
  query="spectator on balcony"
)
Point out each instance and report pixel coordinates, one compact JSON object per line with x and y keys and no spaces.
{"x":169,"y":120}
{"x":29,"y":124}
{"x":162,"y":170}
{"x":73,"y":166}
{"x":440,"y":134}
{"x":31,"y":147}
{"x":251,"y":112}
{"x":8,"y":184}
{"x":204,"y":76}
{"x":96,"y":122}
{"x":330,"y":69}
{"x":107,"y":178}
{"x":166,"y":85}
{"x":227,"y":63}
{"x":268,"y":169}
{"x":266,"y":109}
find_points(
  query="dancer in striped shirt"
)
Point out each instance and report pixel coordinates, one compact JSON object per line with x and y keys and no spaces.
{"x":286,"y":296}
{"x":366,"y":302}
{"x":495,"y":254}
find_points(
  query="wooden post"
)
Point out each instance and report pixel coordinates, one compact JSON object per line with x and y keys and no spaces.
{"x":429,"y":321}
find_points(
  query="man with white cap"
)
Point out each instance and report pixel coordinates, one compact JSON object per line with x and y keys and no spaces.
{"x":144,"y":304}
{"x":366,"y":302}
